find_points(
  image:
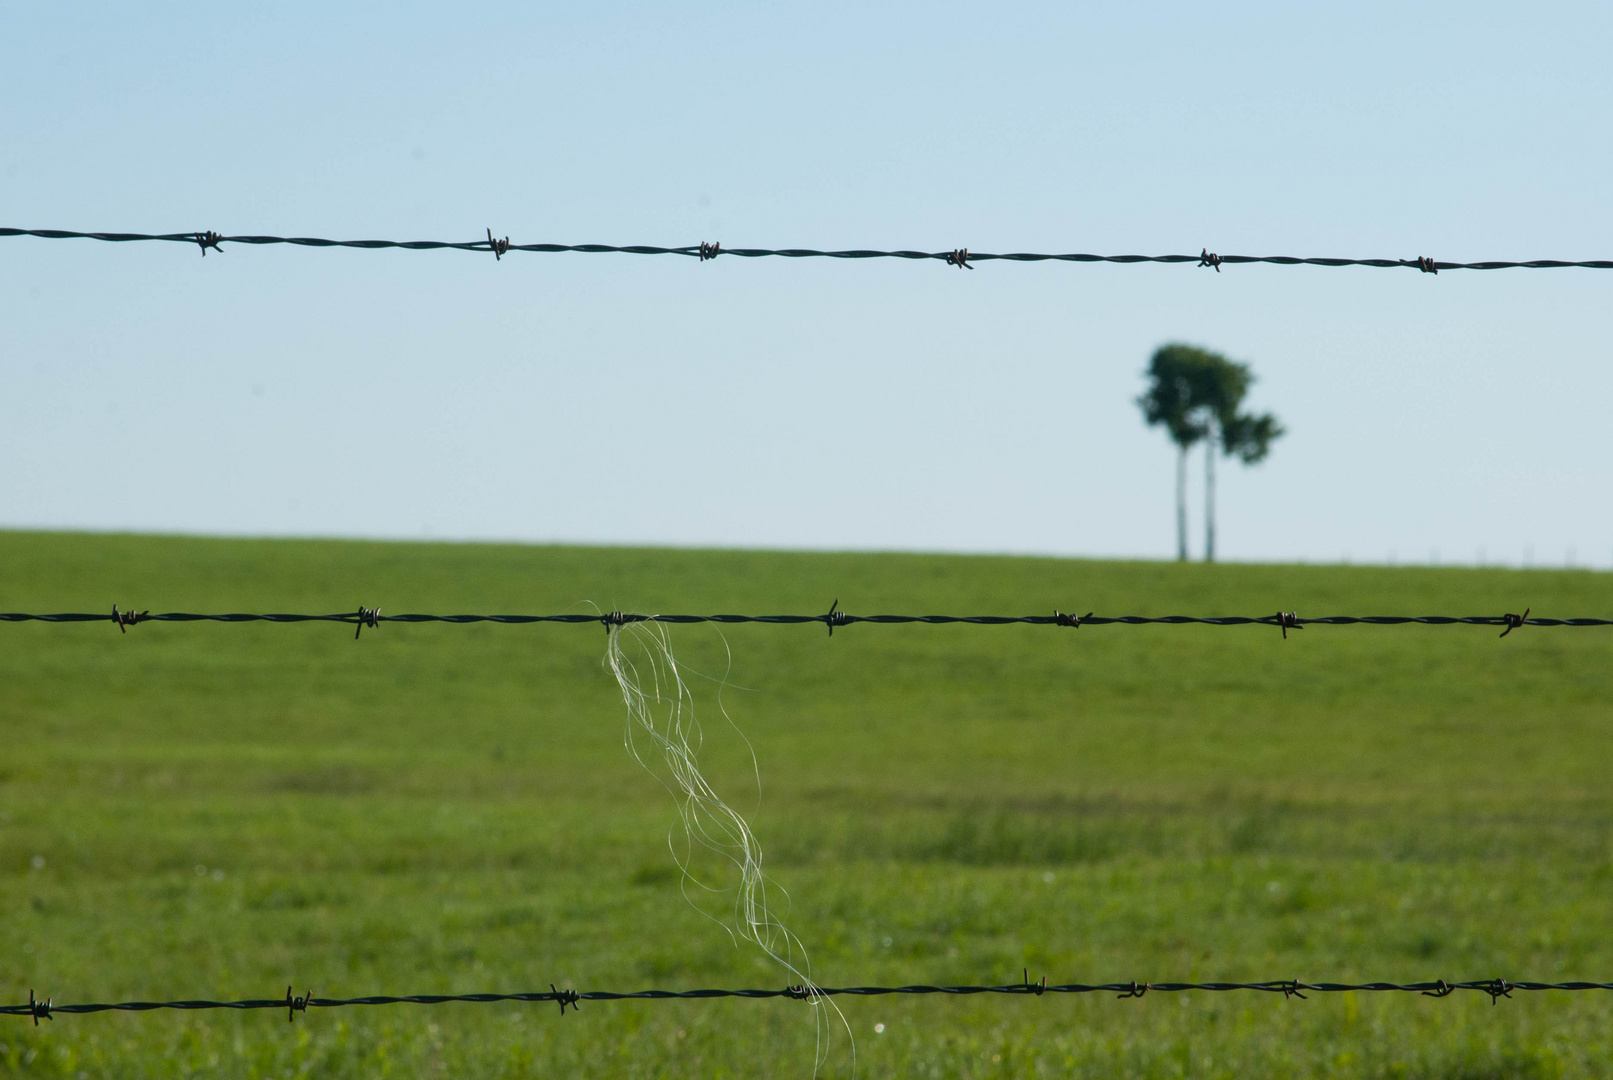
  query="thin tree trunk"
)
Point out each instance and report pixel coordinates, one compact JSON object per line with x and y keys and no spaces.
{"x":1209,"y":498}
{"x":1181,"y":504}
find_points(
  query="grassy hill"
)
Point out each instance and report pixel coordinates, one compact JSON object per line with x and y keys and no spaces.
{"x":204,"y":810}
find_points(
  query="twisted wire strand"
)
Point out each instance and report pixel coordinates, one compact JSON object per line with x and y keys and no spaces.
{"x":1495,"y":988}
{"x":704,"y":252}
{"x":832,"y":619}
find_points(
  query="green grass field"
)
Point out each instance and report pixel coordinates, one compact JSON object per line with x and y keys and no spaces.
{"x":203,"y":810}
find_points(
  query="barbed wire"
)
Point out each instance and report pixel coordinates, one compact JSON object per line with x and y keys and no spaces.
{"x":962,"y":258}
{"x":372,"y":617}
{"x":1289,"y":988}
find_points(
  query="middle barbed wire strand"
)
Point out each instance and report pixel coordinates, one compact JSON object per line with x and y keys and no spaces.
{"x":369,"y":617}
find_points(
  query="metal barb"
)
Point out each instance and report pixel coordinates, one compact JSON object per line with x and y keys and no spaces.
{"x":709,"y":251}
{"x":1445,"y":990}
{"x":1497,"y":990}
{"x":1427,"y":265}
{"x":499,"y":247}
{"x":1034,"y":988}
{"x":1515,"y":621}
{"x":209,"y":239}
{"x":959,"y":257}
{"x":295,"y":1005}
{"x":1209,"y":258}
{"x":1061,"y":619}
{"x":1288,"y":620}
{"x":836,"y":617}
{"x":800,"y":993}
{"x":565,"y":997}
{"x":367,"y":616}
{"x":615,"y":618}
{"x":1291,"y":990}
{"x":37,"y":1009}
{"x":1135,"y":991}
{"x":126,"y":619}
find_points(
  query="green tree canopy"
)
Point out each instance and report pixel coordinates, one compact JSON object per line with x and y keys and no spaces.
{"x":1196,"y":396}
{"x":1177,"y":378}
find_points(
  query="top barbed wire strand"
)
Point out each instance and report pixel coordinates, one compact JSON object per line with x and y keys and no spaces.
{"x":960,"y":257}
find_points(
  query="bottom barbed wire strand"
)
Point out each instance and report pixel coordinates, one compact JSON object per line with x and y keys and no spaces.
{"x":1494,"y":988}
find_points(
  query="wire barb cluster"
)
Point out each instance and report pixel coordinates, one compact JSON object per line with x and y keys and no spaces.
{"x":497,"y":247}
{"x":367,"y":616}
{"x":295,"y":1005}
{"x":962,"y":258}
{"x":1288,"y":988}
{"x":1515,"y":621}
{"x":126,"y":619}
{"x":372,"y":618}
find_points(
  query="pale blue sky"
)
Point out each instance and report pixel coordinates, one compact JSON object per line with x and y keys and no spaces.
{"x":884,"y":404}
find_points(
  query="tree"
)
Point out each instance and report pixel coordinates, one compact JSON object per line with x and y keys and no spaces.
{"x":1172,"y":400}
{"x":1196,"y":395}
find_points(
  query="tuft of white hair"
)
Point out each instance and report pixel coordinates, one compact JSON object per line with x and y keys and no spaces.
{"x":660,"y":713}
